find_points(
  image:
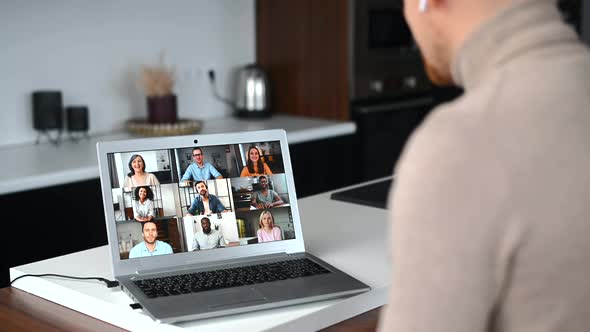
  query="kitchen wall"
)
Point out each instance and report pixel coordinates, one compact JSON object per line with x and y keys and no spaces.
{"x":92,"y":51}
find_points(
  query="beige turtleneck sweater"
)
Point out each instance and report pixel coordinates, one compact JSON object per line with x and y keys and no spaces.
{"x":491,"y":204}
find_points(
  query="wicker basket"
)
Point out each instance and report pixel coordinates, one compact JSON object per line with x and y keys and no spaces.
{"x":142,"y":127}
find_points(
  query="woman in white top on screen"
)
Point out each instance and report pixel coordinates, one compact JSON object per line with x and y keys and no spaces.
{"x":268,"y":231}
{"x":137,"y":175}
{"x":143,"y":204}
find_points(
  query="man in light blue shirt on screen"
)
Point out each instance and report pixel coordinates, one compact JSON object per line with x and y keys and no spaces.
{"x":200,"y":170}
{"x":150,"y":246}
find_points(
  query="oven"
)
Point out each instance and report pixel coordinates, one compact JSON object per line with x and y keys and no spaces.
{"x":390,"y":94}
{"x":384,"y":59}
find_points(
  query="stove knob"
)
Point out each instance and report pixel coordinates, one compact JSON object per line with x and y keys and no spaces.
{"x":376,"y":86}
{"x":410,"y":82}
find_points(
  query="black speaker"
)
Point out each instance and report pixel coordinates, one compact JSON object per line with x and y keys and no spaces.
{"x":77,"y":117}
{"x":47,"y":110}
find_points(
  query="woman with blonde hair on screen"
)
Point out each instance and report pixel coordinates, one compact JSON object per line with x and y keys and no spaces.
{"x":267,"y":231}
{"x":254,"y":164}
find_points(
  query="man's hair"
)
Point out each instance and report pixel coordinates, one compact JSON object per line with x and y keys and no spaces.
{"x":145,"y":222}
{"x":207,"y":219}
{"x":201,"y":181}
{"x":262,"y":177}
{"x":197,"y":148}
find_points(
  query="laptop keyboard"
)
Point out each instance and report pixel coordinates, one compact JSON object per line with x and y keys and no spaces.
{"x":226,"y":278}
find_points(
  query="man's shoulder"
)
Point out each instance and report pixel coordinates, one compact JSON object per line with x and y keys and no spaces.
{"x":138,"y":247}
{"x":163,"y":244}
{"x":455,"y":130}
{"x":450,"y":120}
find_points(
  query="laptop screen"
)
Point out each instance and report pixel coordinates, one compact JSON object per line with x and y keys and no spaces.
{"x":177,"y":200}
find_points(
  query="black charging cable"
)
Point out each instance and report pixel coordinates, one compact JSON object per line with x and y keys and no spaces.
{"x":109,"y":283}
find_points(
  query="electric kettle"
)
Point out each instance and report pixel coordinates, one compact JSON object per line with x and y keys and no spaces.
{"x":253,"y":92}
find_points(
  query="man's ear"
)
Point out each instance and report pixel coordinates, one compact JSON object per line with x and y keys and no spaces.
{"x":425,"y":5}
{"x":422,"y":5}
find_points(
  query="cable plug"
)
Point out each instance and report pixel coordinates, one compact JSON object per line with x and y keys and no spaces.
{"x":112,"y":283}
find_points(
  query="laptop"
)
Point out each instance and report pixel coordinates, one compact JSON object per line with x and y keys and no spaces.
{"x":204,"y":226}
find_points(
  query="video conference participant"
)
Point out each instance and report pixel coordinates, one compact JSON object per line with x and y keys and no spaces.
{"x":205,"y":203}
{"x":150,"y":246}
{"x":267,"y":231}
{"x":143,"y":204}
{"x":137,"y":175}
{"x":209,"y":238}
{"x":254,"y":164}
{"x":199,"y":170}
{"x":265,"y":198}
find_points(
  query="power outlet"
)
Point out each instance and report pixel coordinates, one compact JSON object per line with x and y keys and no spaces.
{"x":189,"y":74}
{"x":211,"y":75}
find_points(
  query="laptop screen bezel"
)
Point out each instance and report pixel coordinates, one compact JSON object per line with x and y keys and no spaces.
{"x":130,"y":266}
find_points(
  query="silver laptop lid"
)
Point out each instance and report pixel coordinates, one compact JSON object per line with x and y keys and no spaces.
{"x":246,"y":206}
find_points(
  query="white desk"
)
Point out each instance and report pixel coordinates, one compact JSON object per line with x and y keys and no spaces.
{"x":331,"y":229}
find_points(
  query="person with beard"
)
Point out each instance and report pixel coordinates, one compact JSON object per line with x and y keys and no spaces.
{"x":199,"y":170}
{"x":150,"y":246}
{"x":209,"y":238}
{"x":265,"y":198}
{"x":490,"y":222}
{"x":205,"y":203}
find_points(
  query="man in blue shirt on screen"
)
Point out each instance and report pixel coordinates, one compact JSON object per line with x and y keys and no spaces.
{"x":200,"y":170}
{"x":150,"y":246}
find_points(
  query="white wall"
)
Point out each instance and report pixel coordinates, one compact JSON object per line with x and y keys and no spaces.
{"x":92,"y":51}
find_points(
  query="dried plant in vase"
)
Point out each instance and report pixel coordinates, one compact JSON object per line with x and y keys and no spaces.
{"x":157,"y":82}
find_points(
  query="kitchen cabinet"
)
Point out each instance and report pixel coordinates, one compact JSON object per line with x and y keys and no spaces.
{"x":384,"y":127}
{"x":325,"y":164}
{"x":303,"y":46}
{"x":50,"y":222}
{"x":383,"y":130}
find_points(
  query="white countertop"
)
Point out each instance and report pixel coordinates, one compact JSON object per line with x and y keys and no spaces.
{"x":335,"y":239}
{"x":34,"y":166}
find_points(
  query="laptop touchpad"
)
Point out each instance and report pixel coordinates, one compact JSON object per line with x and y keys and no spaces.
{"x":235,"y":296}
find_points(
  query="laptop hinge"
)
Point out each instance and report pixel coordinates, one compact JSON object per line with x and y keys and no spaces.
{"x":190,"y":265}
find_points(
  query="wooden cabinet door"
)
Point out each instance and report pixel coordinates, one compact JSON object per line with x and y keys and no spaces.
{"x":303,"y":45}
